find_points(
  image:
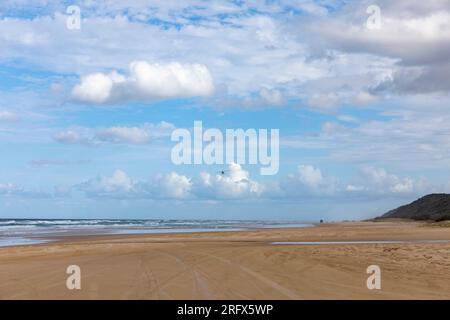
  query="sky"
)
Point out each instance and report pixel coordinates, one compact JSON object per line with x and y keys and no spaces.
{"x":360,"y":98}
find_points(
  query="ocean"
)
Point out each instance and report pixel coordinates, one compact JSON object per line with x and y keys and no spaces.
{"x":33,"y":231}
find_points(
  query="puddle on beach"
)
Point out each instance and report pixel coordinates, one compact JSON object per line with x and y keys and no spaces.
{"x":357,"y":242}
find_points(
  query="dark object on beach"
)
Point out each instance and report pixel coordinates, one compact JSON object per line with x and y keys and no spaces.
{"x":321,"y":221}
{"x":434,"y":206}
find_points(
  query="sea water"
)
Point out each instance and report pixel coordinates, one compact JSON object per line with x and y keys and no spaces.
{"x":33,"y":231}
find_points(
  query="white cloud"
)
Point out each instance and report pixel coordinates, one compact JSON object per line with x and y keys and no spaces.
{"x":117,"y":134}
{"x":287,"y":50}
{"x":146,"y":81}
{"x":373,"y":182}
{"x":354,"y":188}
{"x":97,"y":87}
{"x":8,"y":116}
{"x":364,"y":98}
{"x":328,"y":63}
{"x":8,"y":188}
{"x":119,"y":185}
{"x":132,"y":135}
{"x":347,"y":118}
{"x":380,"y":181}
{"x":421,"y":132}
{"x":310,"y":176}
{"x":323,"y":101}
{"x":174,"y":185}
{"x":264,"y":98}
{"x":307,"y":181}
{"x":69,"y":137}
{"x":235,"y":184}
{"x":14,"y":190}
{"x":110,"y":40}
{"x":272,"y":97}
{"x":417,"y":37}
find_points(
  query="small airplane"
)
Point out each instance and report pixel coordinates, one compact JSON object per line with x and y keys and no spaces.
{"x":222,"y":172}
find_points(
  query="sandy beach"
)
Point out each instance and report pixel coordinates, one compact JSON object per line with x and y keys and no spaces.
{"x":237,"y":264}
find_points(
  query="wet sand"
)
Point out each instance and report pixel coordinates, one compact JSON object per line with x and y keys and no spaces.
{"x":238,"y":264}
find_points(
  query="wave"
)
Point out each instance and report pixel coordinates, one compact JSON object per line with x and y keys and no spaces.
{"x":15,"y":230}
{"x":129,"y":222}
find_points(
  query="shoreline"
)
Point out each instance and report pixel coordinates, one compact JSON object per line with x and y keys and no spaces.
{"x":22,"y":234}
{"x":305,"y":233}
{"x":305,"y":238}
{"x":237,"y":264}
{"x":186,"y":235}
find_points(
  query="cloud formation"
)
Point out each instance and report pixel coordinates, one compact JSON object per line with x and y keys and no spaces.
{"x":307,"y":183}
{"x":382,"y":95}
{"x":115,"y":135}
{"x":378,"y":181}
{"x":132,"y":135}
{"x":8,"y":116}
{"x":121,"y":186}
{"x":415,"y":36}
{"x":145,"y":82}
{"x":11,"y":190}
{"x":235,"y":184}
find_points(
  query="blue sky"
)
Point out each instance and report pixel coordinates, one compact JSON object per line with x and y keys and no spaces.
{"x":86,"y":114}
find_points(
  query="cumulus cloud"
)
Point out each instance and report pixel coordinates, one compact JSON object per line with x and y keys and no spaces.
{"x":310,"y":176}
{"x":174,"y":185}
{"x":335,"y":48}
{"x":375,"y":181}
{"x":121,"y":186}
{"x":307,"y":181}
{"x":325,"y":64}
{"x":145,"y":82}
{"x":117,"y":134}
{"x":274,"y":59}
{"x":378,"y":180}
{"x":97,"y":87}
{"x":236,"y":184}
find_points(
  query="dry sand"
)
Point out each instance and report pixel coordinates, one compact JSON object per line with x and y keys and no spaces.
{"x":236,"y":265}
